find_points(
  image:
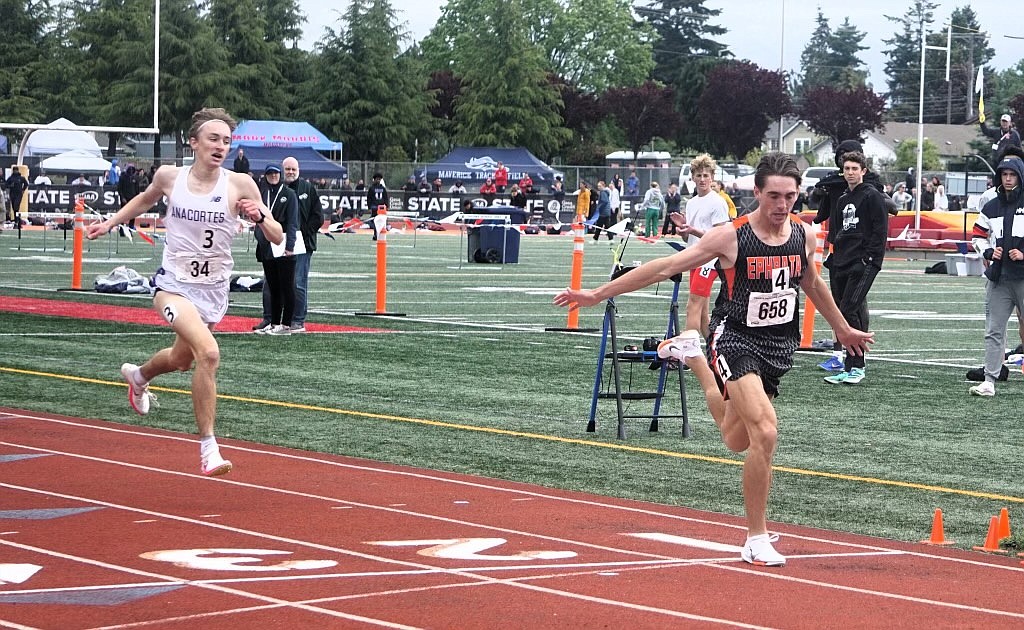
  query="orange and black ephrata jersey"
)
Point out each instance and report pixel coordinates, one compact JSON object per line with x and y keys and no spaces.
{"x":762,"y":269}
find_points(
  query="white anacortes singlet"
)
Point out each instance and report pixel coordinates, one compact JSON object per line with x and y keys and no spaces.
{"x":197,"y":261}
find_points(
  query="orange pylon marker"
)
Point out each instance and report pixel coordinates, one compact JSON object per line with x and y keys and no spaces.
{"x":1004,"y":524}
{"x":992,"y":540}
{"x":938,"y":536}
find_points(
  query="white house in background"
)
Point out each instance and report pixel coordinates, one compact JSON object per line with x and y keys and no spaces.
{"x":797,"y":137}
{"x":952,"y":141}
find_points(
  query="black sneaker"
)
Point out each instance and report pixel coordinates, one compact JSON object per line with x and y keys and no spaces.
{"x":262,"y":324}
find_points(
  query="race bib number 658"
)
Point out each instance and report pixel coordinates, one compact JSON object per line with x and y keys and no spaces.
{"x":776,"y":307}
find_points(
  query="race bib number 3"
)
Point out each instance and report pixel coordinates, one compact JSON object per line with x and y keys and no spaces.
{"x":197,"y":268}
{"x":776,"y":307}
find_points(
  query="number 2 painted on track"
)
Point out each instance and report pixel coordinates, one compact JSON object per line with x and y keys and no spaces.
{"x":233,"y":560}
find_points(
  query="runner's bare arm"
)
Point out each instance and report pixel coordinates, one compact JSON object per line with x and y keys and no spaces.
{"x":163,"y":182}
{"x":715,"y":244}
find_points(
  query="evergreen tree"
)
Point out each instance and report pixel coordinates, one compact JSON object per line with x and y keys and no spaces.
{"x":686,"y":52}
{"x":26,"y":52}
{"x":194,"y":69}
{"x":254,"y":61}
{"x":506,"y":98}
{"x":903,"y":67}
{"x":830,"y":58}
{"x":369,"y":96}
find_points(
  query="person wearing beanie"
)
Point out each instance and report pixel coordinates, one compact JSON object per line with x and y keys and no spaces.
{"x":279,"y":262}
{"x":996,"y":235}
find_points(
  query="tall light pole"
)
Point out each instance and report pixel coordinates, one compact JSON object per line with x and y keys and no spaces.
{"x":782,"y":65}
{"x":920,"y":120}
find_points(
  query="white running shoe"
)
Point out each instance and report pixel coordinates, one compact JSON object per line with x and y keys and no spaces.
{"x":759,"y":551}
{"x":213,"y":465}
{"x":681,"y":347}
{"x":280,"y":329}
{"x":986,"y":388}
{"x":264,"y":330}
{"x":138,"y":397}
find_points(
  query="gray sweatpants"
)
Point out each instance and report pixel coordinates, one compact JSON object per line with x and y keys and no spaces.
{"x":1000,"y":300}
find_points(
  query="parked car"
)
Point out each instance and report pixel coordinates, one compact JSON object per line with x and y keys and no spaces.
{"x":815,"y":173}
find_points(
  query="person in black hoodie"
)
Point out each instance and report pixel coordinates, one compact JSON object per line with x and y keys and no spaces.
{"x":278,"y":265}
{"x":995,"y":236}
{"x":859,"y":246}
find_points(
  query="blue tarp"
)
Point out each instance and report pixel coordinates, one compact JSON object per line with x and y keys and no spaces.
{"x":472,"y":165}
{"x":278,"y":133}
{"x":312,"y":165}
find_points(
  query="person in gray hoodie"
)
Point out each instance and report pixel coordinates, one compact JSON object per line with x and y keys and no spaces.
{"x":999,"y":236}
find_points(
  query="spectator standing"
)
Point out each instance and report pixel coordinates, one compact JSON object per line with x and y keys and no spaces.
{"x":376,"y":195}
{"x":1004,"y":136}
{"x":16,"y":187}
{"x":997,"y":235}
{"x":558,"y":190}
{"x":928,"y":196}
{"x":279,"y":266}
{"x":241,"y":163}
{"x":857,"y":253}
{"x":632,"y":184}
{"x":501,"y":178}
{"x":114,"y":174}
{"x":81,"y":181}
{"x":128,"y":189}
{"x":311,"y":219}
{"x":901,"y":197}
{"x":583,"y":203}
{"x":437,"y":184}
{"x":204,"y":203}
{"x":941,"y":201}
{"x":719,"y":187}
{"x":424,"y":186}
{"x":604,"y":212}
{"x":615,"y":199}
{"x":409,"y":186}
{"x":704,"y":210}
{"x":42,"y":179}
{"x":654,"y":206}
{"x":673,"y":201}
{"x":458,"y":188}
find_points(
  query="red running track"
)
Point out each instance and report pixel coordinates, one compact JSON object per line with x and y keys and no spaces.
{"x":109,"y":526}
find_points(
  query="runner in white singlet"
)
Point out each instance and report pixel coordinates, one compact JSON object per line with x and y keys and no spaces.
{"x":205,"y":202}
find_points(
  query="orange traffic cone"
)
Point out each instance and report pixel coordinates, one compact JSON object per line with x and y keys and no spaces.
{"x":1004,"y":524}
{"x":938,"y":536}
{"x":992,"y":540}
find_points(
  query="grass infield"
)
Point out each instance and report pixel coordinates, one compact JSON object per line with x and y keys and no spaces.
{"x":471,"y":382}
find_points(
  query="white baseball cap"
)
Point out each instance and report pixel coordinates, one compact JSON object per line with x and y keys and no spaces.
{"x":1005,"y":117}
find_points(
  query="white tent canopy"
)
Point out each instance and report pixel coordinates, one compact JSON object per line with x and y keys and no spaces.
{"x":54,"y":141}
{"x":76,"y":161}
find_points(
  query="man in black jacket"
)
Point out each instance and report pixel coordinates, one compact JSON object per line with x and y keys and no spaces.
{"x":311,"y":219}
{"x":1004,"y":136}
{"x":241,"y":164}
{"x":861,"y":230}
{"x":16,"y":187}
{"x":376,"y":195}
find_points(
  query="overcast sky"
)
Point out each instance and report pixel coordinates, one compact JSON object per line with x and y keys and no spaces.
{"x":757,"y":29}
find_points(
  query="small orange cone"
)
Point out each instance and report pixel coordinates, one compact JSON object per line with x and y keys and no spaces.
{"x":1004,"y":524}
{"x":992,"y":540}
{"x":938,"y":536}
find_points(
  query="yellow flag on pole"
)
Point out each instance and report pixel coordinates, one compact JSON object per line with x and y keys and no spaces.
{"x":979,"y":87}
